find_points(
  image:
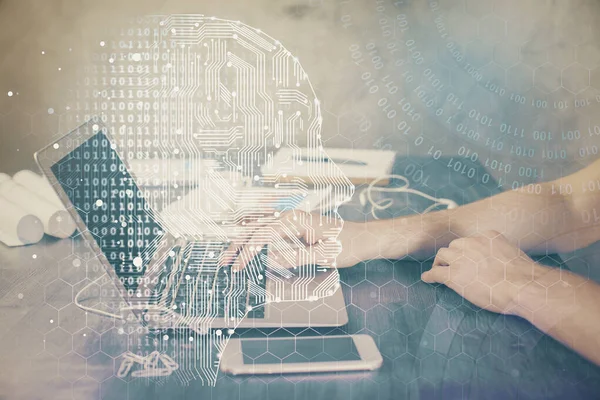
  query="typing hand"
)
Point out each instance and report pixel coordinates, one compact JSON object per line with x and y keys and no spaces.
{"x":297,"y":238}
{"x":487,"y":270}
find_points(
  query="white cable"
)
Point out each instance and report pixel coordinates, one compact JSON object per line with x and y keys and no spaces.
{"x":383,"y":204}
{"x":111,"y":315}
{"x":93,"y":310}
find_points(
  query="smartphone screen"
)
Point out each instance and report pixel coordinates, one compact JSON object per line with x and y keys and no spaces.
{"x":300,"y":350}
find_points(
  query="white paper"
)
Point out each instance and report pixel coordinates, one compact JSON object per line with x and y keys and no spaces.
{"x":4,"y":177}
{"x":375,"y":164}
{"x":38,"y":184}
{"x":17,"y":227}
{"x":56,"y":221}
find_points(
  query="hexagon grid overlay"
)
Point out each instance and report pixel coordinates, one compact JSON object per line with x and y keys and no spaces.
{"x":476,"y":96}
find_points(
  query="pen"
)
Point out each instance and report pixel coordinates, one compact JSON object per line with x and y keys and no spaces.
{"x":331,"y":160}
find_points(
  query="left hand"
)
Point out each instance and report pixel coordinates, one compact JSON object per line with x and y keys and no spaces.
{"x":487,"y":270}
{"x":297,"y":238}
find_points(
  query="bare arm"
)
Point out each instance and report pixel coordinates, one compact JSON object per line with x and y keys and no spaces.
{"x":565,"y":306}
{"x":556,"y":216}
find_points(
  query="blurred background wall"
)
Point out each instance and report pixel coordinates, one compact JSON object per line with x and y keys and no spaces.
{"x":513,"y":81}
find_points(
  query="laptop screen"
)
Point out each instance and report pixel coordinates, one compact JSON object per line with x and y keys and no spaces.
{"x":112,"y":207}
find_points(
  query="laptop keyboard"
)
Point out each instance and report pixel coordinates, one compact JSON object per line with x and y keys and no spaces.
{"x":196,"y":286}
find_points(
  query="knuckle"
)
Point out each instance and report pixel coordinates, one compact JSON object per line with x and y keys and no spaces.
{"x":444,"y":251}
{"x":459,"y":242}
{"x":478,"y":237}
{"x":492,"y":232}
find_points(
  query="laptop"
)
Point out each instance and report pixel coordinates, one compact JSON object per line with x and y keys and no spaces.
{"x":171,"y":281}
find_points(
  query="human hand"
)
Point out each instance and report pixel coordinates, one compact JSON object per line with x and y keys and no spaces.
{"x":487,"y":270}
{"x":297,"y":238}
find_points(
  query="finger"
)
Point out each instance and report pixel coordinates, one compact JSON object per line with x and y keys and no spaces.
{"x":248,"y":227}
{"x":303,"y":225}
{"x":243,"y":250}
{"x":245,"y":256}
{"x":436,"y":275}
{"x":441,"y":257}
{"x":458,"y":243}
{"x":259,"y":239}
{"x":296,"y":224}
{"x":491,"y":234}
{"x":293,"y":257}
{"x":248,"y":224}
{"x":228,"y":256}
{"x":446,"y":256}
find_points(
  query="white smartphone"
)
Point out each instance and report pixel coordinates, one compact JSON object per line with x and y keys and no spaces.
{"x":300,"y":355}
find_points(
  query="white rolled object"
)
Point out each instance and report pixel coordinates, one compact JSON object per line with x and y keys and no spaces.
{"x":4,"y":177}
{"x":17,"y":227}
{"x":56,"y":220}
{"x":37,"y":184}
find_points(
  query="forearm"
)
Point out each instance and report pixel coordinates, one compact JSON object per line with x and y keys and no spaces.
{"x":534,"y":218}
{"x":565,"y":306}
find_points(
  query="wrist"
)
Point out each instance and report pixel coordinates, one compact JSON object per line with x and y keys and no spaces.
{"x":546,"y":298}
{"x":530,"y":295}
{"x":402,"y":237}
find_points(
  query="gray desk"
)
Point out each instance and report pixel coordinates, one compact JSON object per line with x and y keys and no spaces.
{"x":434,"y":343}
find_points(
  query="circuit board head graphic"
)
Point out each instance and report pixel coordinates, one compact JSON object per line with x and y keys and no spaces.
{"x":238,"y":107}
{"x":227,"y":110}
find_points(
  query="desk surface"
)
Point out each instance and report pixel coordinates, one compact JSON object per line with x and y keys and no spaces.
{"x":434,"y":343}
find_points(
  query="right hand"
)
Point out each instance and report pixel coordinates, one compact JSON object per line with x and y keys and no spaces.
{"x":297,"y":238}
{"x":487,"y":270}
